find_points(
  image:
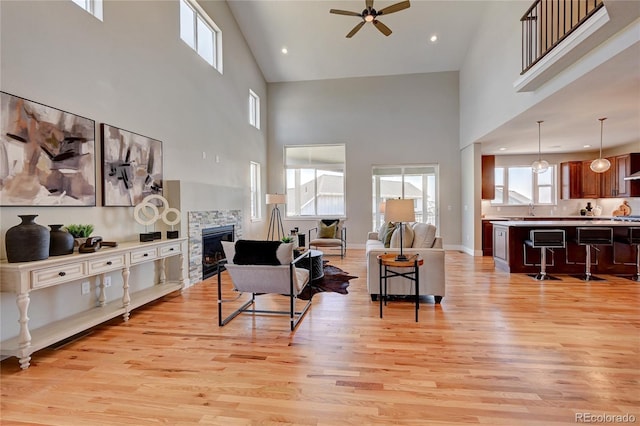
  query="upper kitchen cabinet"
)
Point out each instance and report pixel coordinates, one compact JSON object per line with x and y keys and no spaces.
{"x":578,"y":180}
{"x":488,"y":177}
{"x":614,"y":184}
{"x":590,"y":181}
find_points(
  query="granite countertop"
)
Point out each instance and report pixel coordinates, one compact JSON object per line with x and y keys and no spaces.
{"x":566,"y":223}
{"x":543,"y":217}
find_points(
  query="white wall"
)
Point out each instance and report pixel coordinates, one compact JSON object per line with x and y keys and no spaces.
{"x":409,"y":119}
{"x":471,"y":203}
{"x":493,"y":63}
{"x":133,"y":71}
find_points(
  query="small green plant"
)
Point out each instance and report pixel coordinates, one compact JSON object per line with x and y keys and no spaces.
{"x":80,"y":231}
{"x":287,"y":239}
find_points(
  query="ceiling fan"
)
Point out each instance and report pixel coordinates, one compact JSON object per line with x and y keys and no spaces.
{"x":371,"y":15}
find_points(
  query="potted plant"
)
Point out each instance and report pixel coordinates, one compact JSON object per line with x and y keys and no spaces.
{"x":287,"y":239}
{"x":80,"y":232}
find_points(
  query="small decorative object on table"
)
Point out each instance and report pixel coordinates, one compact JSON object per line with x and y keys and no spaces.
{"x":61,"y":241}
{"x":27,"y":241}
{"x":146,"y":213}
{"x":80,"y":233}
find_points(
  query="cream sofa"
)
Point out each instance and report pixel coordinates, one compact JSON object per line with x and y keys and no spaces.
{"x":432,"y":274}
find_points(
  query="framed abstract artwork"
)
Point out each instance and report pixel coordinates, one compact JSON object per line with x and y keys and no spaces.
{"x":131,"y":166}
{"x":47,"y":156}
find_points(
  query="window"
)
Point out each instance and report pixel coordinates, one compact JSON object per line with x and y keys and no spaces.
{"x":315,"y":180}
{"x":254,"y":109}
{"x":201,"y":33}
{"x":417,"y":182}
{"x":256,"y":210}
{"x":94,"y":7}
{"x":518,"y":185}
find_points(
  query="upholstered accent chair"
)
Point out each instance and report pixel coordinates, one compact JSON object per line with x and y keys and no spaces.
{"x":329,"y":233}
{"x":259,"y":268}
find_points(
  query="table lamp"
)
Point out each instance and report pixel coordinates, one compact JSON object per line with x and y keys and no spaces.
{"x":399,"y":210}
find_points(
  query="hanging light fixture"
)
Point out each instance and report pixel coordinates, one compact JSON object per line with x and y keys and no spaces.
{"x":539,"y":166}
{"x":600,"y":165}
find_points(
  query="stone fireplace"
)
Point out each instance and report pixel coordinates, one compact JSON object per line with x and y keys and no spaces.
{"x":201,"y":220}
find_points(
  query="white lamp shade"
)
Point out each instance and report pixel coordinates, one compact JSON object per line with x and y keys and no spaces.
{"x":600,"y":165}
{"x":276,"y":198}
{"x":399,"y":210}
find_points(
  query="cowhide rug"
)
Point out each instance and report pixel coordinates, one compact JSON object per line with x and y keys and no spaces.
{"x":335,"y":280}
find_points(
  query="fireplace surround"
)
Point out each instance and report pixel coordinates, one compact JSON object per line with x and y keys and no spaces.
{"x":196,"y":223}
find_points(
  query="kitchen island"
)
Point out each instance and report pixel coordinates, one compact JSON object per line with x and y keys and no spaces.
{"x":511,"y":254}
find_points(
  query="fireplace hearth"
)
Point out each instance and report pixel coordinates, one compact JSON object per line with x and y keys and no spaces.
{"x":212,"y":251}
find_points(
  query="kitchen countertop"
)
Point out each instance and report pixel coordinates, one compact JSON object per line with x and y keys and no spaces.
{"x":565,"y":223}
{"x":543,"y":217}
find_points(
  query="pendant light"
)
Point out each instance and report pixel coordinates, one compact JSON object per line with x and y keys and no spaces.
{"x":600,"y":165}
{"x":539,"y":166}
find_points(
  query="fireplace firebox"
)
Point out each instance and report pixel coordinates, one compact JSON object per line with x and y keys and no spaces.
{"x":212,"y":251}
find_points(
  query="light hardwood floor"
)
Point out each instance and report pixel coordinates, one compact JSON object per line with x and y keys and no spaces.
{"x":501,"y":349}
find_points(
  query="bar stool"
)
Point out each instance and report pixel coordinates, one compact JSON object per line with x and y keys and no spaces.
{"x":633,"y":239}
{"x":545,"y":239}
{"x":592,"y":236}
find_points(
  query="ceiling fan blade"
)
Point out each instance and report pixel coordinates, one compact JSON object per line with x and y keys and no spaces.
{"x":344,"y":12}
{"x":382,"y":27}
{"x":355,"y":29}
{"x":369,"y":4}
{"x":395,"y":8}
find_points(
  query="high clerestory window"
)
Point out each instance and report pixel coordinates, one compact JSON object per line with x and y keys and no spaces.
{"x":94,"y":7}
{"x":254,"y":109}
{"x":199,"y":31}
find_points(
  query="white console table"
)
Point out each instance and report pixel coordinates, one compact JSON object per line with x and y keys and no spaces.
{"x":24,"y":277}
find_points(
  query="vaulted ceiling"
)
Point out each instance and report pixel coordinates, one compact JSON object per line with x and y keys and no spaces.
{"x":318,"y":49}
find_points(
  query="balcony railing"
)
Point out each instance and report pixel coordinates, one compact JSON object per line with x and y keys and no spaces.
{"x":548,"y":22}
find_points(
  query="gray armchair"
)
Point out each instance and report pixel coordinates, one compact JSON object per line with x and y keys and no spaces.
{"x":330,"y":233}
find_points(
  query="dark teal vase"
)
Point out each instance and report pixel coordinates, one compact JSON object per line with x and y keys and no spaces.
{"x":27,"y":241}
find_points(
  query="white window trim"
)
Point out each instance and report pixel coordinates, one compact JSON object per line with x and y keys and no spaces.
{"x":329,"y":167}
{"x":93,"y":7}
{"x":255,"y":189}
{"x":254,"y":113}
{"x":535,"y":187}
{"x":199,"y":12}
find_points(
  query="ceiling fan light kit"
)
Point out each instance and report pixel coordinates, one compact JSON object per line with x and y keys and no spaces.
{"x":600,"y":165}
{"x":369,"y":14}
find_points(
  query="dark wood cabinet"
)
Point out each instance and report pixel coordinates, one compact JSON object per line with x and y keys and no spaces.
{"x":488,"y":177}
{"x":571,"y":180}
{"x":613,"y":183}
{"x":487,"y":238}
{"x":590,"y":181}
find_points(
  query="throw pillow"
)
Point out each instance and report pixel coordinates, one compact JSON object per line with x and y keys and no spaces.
{"x":285,"y":253}
{"x":229,"y":248}
{"x":382,"y":231}
{"x":407,"y":237}
{"x":327,"y":230}
{"x":251,"y":252}
{"x":388,"y":233}
{"x":424,"y":235}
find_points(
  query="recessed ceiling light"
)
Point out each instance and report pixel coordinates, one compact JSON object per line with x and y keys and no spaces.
{"x":433,"y":38}
{"x":586,"y":146}
{"x":285,"y":50}
{"x":502,"y":148}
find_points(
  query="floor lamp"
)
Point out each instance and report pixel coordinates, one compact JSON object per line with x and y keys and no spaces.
{"x":275,"y":224}
{"x":399,"y":210}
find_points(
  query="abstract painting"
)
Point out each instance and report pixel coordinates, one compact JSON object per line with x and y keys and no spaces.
{"x":131,"y":166}
{"x":47,"y":156}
